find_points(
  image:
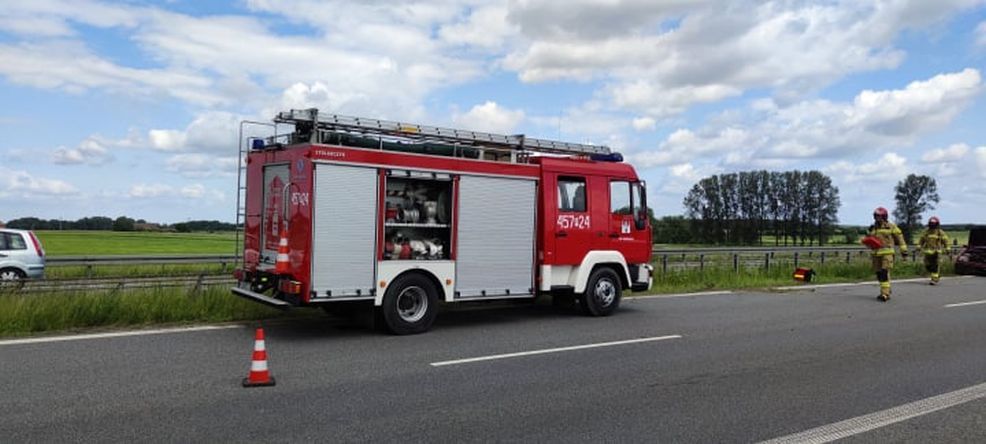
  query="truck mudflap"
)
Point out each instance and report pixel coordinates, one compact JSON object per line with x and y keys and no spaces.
{"x":262,"y":298}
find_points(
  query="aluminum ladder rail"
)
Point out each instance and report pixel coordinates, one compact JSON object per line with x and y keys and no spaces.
{"x":335,"y":123}
{"x":243,"y":149}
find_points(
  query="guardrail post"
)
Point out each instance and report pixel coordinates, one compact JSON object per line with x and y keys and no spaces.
{"x":89,"y":271}
{"x":823,"y":258}
{"x":223,"y":270}
{"x":766,"y":262}
{"x":664,"y":263}
{"x":701,"y":262}
{"x":735,"y":262}
{"x":795,"y":259}
{"x":198,"y":284}
{"x":847,"y":256}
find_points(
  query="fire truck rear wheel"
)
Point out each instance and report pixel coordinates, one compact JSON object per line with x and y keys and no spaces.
{"x":410,"y":305}
{"x":602,"y":293}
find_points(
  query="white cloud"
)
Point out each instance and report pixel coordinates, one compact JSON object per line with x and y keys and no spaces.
{"x":150,"y":190}
{"x":195,"y":191}
{"x":213,"y":131}
{"x":489,"y":117}
{"x":981,"y":34}
{"x":889,"y":167}
{"x":644,"y":123}
{"x":661,"y":57}
{"x":197,"y":165}
{"x":767,"y":134}
{"x":953,"y":153}
{"x":22,"y":184}
{"x":90,"y":151}
{"x":485,"y":27}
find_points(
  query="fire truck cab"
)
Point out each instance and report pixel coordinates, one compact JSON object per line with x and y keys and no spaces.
{"x":346,"y":209}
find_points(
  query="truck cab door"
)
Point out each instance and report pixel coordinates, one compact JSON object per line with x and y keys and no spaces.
{"x":572,"y":225}
{"x":629,"y":227}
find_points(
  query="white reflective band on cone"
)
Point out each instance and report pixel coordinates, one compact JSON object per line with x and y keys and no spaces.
{"x":258,"y":366}
{"x":281,"y":257}
{"x":259,"y":345}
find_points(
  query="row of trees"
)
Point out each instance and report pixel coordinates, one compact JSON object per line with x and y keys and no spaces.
{"x":122,"y":223}
{"x":799,"y":207}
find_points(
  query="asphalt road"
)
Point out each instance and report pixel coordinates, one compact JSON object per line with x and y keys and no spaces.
{"x":747,"y":367}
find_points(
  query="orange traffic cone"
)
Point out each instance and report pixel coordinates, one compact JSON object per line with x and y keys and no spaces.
{"x":259,"y":374}
{"x":283,"y":263}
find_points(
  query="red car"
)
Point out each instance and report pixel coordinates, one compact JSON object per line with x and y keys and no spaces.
{"x":972,"y":259}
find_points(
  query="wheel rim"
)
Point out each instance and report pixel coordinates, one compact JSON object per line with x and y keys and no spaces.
{"x":9,"y":276}
{"x":605,"y":292}
{"x":412,"y":304}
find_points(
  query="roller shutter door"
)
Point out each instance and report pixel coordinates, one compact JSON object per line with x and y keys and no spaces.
{"x":344,"y":230}
{"x":495,"y":254}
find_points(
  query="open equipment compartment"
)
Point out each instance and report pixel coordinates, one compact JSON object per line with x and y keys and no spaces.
{"x":417,"y":215}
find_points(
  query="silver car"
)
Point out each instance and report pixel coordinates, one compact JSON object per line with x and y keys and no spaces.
{"x":21,"y":255}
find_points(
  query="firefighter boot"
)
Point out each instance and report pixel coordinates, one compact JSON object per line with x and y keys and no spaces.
{"x":934,"y":279}
{"x":884,"y":291}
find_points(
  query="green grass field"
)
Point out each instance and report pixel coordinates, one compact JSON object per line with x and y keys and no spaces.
{"x":99,"y":243}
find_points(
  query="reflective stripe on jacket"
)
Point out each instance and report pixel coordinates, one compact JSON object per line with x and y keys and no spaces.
{"x":934,"y":241}
{"x":889,"y":235}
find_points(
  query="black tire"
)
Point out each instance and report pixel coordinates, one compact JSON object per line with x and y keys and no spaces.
{"x":603,"y":293}
{"x":12,"y":279}
{"x":410,"y":305}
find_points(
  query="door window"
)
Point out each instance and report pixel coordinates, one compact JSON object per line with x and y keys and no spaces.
{"x":12,"y":241}
{"x":619,"y":198}
{"x":571,"y":194}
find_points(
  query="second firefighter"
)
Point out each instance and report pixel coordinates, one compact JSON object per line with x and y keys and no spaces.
{"x":934,"y":243}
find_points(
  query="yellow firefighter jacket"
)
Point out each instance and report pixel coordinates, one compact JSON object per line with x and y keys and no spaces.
{"x":934,"y":241}
{"x":889,"y":235}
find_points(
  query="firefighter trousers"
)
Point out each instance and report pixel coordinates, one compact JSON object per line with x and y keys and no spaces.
{"x":882,"y":264}
{"x":932,"y":265}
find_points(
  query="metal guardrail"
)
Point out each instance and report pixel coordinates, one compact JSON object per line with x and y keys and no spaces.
{"x":139,"y":260}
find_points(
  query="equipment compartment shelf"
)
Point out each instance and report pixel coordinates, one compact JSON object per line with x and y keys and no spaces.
{"x":417,"y":216}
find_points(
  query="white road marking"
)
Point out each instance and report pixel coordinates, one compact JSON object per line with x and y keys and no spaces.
{"x":115,"y":334}
{"x":883,"y":418}
{"x":680,"y":295}
{"x":552,"y":350}
{"x":963,"y":304}
{"x":854,"y":284}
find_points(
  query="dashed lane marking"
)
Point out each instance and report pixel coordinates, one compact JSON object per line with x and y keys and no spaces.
{"x":681,"y":295}
{"x":883,"y":418}
{"x":963,"y":304}
{"x":116,"y":334}
{"x":552,"y":350}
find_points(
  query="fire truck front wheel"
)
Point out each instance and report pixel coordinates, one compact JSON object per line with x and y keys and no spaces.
{"x":410,"y":305}
{"x":602,"y":293}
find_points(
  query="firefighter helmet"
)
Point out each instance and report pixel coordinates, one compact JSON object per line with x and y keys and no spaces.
{"x":933,"y":222}
{"x":880,"y":213}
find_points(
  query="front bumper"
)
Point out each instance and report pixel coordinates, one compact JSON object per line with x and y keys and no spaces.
{"x":645,"y":278}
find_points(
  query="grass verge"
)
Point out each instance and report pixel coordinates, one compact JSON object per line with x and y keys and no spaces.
{"x":23,"y":314}
{"x":724,"y":278}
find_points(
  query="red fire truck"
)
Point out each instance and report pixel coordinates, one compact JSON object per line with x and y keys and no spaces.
{"x":345,"y":209}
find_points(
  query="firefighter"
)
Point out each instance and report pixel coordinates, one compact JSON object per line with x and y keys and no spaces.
{"x":933,"y":243}
{"x":883,"y":258}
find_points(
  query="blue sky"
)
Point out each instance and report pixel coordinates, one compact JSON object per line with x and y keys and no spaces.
{"x":131,"y":107}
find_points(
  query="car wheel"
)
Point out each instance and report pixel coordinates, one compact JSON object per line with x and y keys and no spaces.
{"x":410,"y":305}
{"x":602,"y":293}
{"x":12,"y":278}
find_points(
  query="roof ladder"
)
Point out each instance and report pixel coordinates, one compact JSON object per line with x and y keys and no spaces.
{"x":306,"y":121}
